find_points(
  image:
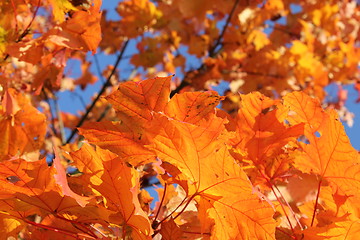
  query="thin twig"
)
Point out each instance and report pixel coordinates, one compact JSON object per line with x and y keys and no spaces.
{"x":105,"y":85}
{"x":316,"y":203}
{"x":161,"y":203}
{"x":212,"y":52}
{"x":27,"y":29}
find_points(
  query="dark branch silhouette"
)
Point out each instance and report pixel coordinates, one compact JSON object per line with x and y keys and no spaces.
{"x":105,"y":85}
{"x":212,"y":52}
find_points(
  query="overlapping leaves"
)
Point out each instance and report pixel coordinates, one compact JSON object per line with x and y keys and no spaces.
{"x":228,"y":167}
{"x":187,"y":133}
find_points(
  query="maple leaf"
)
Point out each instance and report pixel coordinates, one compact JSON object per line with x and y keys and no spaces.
{"x":135,"y":103}
{"x":193,"y":149}
{"x":169,"y":230}
{"x":201,"y":155}
{"x":329,"y":152}
{"x":118,"y":185}
{"x":138,"y":15}
{"x":22,"y":125}
{"x":119,"y":139}
{"x":192,"y":107}
{"x":61,"y":180}
{"x":82,"y":30}
{"x":260,"y":135}
{"x":30,"y":188}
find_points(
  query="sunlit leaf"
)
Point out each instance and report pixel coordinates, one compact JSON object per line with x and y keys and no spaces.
{"x":200,"y":153}
{"x":23,"y":127}
{"x":119,"y":187}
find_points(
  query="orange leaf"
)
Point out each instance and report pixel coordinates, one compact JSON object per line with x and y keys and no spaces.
{"x":328,"y":151}
{"x":199,"y":152}
{"x":60,"y":7}
{"x":135,"y":102}
{"x":60,"y":179}
{"x":119,"y":139}
{"x":192,"y":107}
{"x":29,"y":188}
{"x":339,"y":230}
{"x":9,"y":226}
{"x":16,"y":177}
{"x":10,"y":104}
{"x":81,"y":31}
{"x":118,"y":185}
{"x":23,"y":131}
{"x":304,"y":109}
{"x":170,"y":231}
{"x":260,"y":128}
{"x":331,"y":155}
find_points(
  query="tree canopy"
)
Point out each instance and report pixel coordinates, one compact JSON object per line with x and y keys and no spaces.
{"x":266,"y":158}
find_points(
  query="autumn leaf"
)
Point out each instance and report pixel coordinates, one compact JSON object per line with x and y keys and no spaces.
{"x":22,"y":125}
{"x":200,"y":154}
{"x":169,"y":230}
{"x":135,"y":104}
{"x":61,"y":180}
{"x":29,"y":189}
{"x":82,"y":30}
{"x":138,"y":15}
{"x":118,"y":185}
{"x":328,"y":151}
{"x":60,"y":8}
{"x":260,"y":129}
{"x":119,"y":139}
{"x":192,"y":107}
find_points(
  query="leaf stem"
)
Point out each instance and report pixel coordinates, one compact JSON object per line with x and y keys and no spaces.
{"x":290,"y":208}
{"x":283,"y":208}
{"x":279,"y":200}
{"x":55,"y":229}
{"x":187,"y":204}
{"x":316,"y":203}
{"x":77,"y":225}
{"x":161,"y":202}
{"x":182,"y":202}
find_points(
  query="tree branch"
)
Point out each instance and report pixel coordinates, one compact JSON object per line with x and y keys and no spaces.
{"x":105,"y":85}
{"x":27,"y":29}
{"x":212,"y":51}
